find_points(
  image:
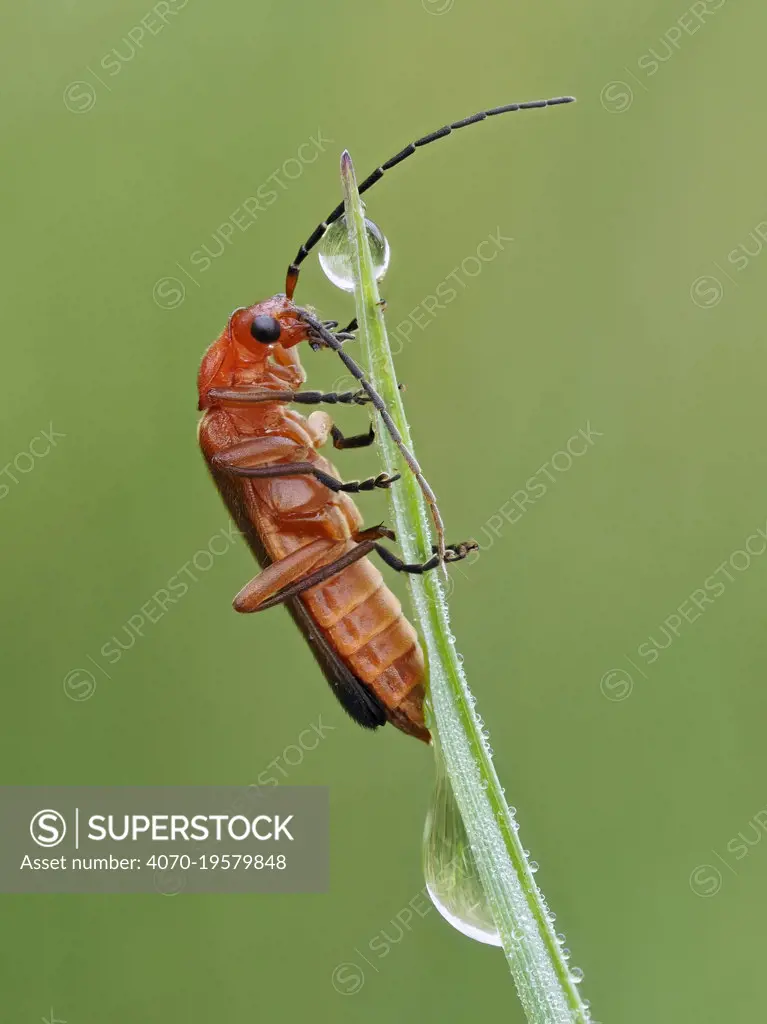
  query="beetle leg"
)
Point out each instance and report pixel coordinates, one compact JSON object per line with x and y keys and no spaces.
{"x":256,"y":459}
{"x":356,"y":441}
{"x":332,"y":397}
{"x":383,"y":480}
{"x":292,"y":585}
{"x":302,"y":397}
{"x":282,"y":580}
{"x":453,"y":553}
{"x":321,"y":427}
{"x":278,"y":576}
{"x":256,"y":451}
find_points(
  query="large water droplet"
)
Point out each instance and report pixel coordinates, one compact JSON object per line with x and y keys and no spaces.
{"x":452,"y":879}
{"x":336,"y":256}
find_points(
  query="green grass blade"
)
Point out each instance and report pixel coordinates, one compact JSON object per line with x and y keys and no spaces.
{"x":545,"y":985}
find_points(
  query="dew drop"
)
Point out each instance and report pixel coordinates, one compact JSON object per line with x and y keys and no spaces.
{"x":336,"y":256}
{"x":576,"y":974}
{"x":452,"y":879}
{"x":533,"y":865}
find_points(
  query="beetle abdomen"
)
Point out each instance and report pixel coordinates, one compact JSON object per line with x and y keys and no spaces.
{"x":363,"y":621}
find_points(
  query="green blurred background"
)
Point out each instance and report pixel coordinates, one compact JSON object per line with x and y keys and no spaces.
{"x":623,"y":302}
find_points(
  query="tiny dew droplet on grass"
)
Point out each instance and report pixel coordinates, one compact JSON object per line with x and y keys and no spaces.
{"x":491,"y":853}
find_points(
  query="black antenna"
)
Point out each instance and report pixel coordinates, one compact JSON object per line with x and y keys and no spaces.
{"x":378,"y":173}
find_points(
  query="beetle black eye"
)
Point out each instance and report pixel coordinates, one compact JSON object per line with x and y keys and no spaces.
{"x":265,"y":329}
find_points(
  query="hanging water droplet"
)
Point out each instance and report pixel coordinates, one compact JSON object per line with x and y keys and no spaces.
{"x":533,"y":865}
{"x":561,"y":938}
{"x":576,"y":974}
{"x":336,"y":256}
{"x":452,"y":879}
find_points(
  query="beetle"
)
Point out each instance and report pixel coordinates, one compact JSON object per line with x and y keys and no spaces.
{"x":292,"y":508}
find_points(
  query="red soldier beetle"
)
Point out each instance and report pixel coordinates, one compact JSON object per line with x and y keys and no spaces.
{"x":292,"y":508}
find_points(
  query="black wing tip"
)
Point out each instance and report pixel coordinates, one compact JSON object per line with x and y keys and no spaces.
{"x":363,"y":706}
